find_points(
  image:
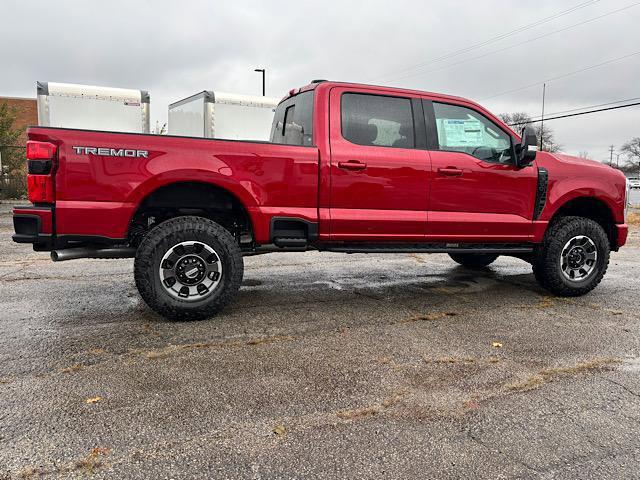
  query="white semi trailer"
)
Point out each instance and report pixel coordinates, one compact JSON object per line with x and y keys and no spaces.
{"x":93,"y":108}
{"x":223,"y":115}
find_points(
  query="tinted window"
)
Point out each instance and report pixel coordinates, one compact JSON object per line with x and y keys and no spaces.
{"x":293,"y":121}
{"x":375,"y":120}
{"x":462,"y":129}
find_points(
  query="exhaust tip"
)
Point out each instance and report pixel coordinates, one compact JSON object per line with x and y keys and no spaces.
{"x":54,"y":255}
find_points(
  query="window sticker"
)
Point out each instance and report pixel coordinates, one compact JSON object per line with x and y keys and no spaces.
{"x":460,"y":133}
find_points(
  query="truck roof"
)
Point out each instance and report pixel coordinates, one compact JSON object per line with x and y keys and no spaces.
{"x":406,"y":91}
{"x":328,"y":84}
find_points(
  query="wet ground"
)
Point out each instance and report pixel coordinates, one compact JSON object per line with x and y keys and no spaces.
{"x":325,"y":366}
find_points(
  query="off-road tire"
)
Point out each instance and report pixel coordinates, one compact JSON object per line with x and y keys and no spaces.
{"x":546,"y":264}
{"x":474,"y":261}
{"x":162,"y":239}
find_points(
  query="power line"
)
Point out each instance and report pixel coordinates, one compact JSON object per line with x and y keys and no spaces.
{"x":509,"y":47}
{"x":564,"y":75}
{"x":590,"y":106}
{"x":496,"y":38}
{"x":546,"y":119}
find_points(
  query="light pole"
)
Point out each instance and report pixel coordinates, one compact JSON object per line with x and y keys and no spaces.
{"x":544,"y":94}
{"x":263,"y":79}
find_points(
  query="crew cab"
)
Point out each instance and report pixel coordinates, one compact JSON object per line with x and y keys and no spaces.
{"x":349,"y":168}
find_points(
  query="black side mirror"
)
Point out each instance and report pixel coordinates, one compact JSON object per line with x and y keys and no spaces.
{"x":527,"y":148}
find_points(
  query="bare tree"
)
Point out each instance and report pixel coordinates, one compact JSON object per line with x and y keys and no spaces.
{"x":519,"y":119}
{"x":632,"y":149}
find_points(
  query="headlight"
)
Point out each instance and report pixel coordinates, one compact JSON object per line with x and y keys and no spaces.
{"x":627,"y":200}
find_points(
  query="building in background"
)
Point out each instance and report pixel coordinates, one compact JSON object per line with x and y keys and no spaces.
{"x":26,"y":111}
{"x":12,"y":146}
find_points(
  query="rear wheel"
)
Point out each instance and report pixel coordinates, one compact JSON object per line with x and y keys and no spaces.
{"x":188,"y":268}
{"x":474,"y":260}
{"x":573,"y":257}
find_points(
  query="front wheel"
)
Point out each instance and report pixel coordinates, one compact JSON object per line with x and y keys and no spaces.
{"x":474,"y":260}
{"x":188,"y":268}
{"x":573,"y":257}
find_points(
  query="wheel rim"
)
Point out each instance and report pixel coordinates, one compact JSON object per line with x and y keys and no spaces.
{"x":578,"y":258}
{"x":190,"y":271}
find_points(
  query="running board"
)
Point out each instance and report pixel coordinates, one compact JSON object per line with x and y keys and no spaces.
{"x":290,"y":242}
{"x":502,"y":249}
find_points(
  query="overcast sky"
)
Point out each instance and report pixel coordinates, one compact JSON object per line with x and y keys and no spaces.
{"x":174,"y":49}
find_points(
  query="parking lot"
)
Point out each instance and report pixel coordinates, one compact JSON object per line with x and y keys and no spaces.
{"x":325,"y":366}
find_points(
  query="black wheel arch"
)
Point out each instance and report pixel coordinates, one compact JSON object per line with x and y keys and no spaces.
{"x":179,"y":199}
{"x":593,"y":209}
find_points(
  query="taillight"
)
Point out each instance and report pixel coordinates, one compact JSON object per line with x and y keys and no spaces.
{"x":40,"y":150}
{"x":40,"y":188}
{"x":40,"y":182}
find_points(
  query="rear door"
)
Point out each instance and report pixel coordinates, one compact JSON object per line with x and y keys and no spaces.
{"x":477,"y":193}
{"x":379,"y":167}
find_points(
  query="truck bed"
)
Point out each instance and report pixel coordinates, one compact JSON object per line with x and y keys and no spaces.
{"x":97,"y":194}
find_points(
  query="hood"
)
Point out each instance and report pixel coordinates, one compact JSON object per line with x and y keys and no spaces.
{"x":579,"y":161}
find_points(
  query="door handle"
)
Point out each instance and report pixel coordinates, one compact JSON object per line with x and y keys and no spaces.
{"x":450,"y":171}
{"x":352,"y":165}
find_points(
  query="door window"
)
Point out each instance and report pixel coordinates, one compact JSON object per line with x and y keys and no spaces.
{"x":462,"y":129}
{"x":376,"y":120}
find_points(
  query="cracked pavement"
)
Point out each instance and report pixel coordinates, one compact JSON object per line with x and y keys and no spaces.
{"x":325,"y":366}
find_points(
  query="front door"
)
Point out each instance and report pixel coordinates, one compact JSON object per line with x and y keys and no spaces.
{"x":379,"y":179}
{"x":477,"y":193}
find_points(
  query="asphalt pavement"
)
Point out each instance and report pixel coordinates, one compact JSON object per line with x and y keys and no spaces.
{"x":325,"y":366}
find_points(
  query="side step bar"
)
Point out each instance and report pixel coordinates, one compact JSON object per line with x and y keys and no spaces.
{"x":290,"y":242}
{"x":300,"y":245}
{"x":503,"y":249}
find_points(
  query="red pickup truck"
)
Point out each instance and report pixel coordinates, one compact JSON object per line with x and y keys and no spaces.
{"x":349,"y":168}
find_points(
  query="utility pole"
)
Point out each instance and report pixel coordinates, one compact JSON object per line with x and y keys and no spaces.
{"x":544,"y":93}
{"x":262,"y":70}
{"x":618,"y":160}
{"x":611,"y":152}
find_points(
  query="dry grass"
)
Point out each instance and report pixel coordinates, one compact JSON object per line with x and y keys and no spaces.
{"x":32,"y":472}
{"x":170,"y":349}
{"x":547,"y":375}
{"x":359,"y":412}
{"x":154,"y":355}
{"x":430,"y":317}
{"x":372,"y":410}
{"x":394,"y":399}
{"x":546,"y":301}
{"x":87,"y":465}
{"x":633,"y":218}
{"x":449,"y":360}
{"x":417,"y":257}
{"x":93,"y":461}
{"x":527,"y":384}
{"x":72,"y":368}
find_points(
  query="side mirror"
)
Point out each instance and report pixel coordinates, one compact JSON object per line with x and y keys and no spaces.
{"x":527,"y":148}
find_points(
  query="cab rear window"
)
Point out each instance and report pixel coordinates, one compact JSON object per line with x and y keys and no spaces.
{"x":293,"y":121}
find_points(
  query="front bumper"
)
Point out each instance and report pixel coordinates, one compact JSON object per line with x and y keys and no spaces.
{"x":34,"y":224}
{"x":622,"y":231}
